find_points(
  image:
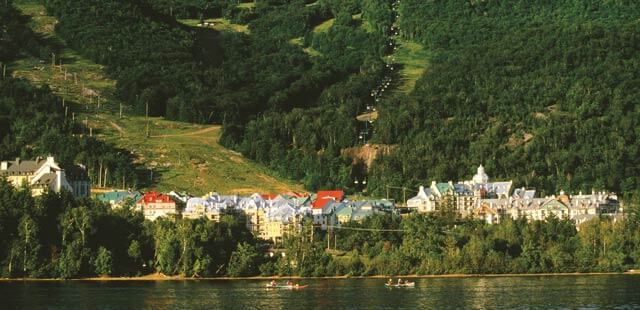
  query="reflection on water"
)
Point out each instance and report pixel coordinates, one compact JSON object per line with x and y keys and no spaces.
{"x":541,"y":292}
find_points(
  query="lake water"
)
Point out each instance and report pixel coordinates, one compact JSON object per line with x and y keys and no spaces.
{"x":533,"y":292}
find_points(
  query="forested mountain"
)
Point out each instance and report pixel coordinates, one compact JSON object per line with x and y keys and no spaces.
{"x":538,"y":91}
{"x":541,"y":92}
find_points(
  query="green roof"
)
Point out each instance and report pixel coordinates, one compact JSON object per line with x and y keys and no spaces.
{"x":345,"y":211}
{"x":554,"y":204}
{"x":118,"y":196}
{"x":443,"y":188}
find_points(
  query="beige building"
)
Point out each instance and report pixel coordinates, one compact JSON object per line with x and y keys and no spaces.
{"x":493,"y":201}
{"x":154,"y":205}
{"x":43,"y":174}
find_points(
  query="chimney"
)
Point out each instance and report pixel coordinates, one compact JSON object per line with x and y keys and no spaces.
{"x":50,"y":160}
{"x":58,"y":179}
{"x":4,"y":165}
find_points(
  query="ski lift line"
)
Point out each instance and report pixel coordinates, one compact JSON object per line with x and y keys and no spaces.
{"x":367,"y":229}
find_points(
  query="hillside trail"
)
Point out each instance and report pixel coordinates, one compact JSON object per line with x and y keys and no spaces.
{"x":371,"y":114}
{"x":117,"y":127}
{"x":193,"y":133}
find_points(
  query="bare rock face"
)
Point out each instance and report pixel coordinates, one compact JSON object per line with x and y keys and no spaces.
{"x":368,"y":153}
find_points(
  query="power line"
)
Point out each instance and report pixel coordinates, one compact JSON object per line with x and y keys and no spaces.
{"x":367,"y":229}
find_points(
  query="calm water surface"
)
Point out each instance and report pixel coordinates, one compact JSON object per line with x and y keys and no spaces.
{"x":539,"y":292}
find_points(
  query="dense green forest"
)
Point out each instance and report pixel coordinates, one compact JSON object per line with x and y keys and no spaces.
{"x":541,"y":92}
{"x":55,"y":235}
{"x":33,"y":121}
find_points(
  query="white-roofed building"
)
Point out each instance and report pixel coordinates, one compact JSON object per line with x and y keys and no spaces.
{"x":423,"y":202}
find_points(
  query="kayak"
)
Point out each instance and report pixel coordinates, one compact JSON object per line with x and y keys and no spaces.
{"x":291,"y":287}
{"x":407,"y":284}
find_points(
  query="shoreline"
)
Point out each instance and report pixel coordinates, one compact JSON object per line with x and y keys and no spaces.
{"x":161,"y":277}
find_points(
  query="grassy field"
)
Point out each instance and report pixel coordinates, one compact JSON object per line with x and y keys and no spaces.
{"x":247,"y":5}
{"x":182,"y":156}
{"x":309,"y":50}
{"x":219,"y":24}
{"x":324,"y":26}
{"x":414,"y":60}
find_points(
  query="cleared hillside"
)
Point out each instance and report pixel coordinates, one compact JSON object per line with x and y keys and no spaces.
{"x":180,"y":156}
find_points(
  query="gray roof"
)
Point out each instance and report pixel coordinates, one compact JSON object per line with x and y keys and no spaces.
{"x":19,"y":166}
{"x":463,"y":189}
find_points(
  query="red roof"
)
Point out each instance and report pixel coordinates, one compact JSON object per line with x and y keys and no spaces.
{"x":268,"y":196}
{"x":297,"y":195}
{"x":324,"y":197}
{"x":155,"y":197}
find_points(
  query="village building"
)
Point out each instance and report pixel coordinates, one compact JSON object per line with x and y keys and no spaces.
{"x":323,"y":208}
{"x":281,"y":221}
{"x":423,"y":202}
{"x":45,"y":174}
{"x":254,"y":214}
{"x":182,"y":197}
{"x":493,"y":201}
{"x":118,"y":199}
{"x":154,"y":205}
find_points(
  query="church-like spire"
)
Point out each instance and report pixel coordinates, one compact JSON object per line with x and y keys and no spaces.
{"x":481,"y":177}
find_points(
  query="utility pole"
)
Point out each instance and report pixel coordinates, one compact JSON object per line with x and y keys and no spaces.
{"x":404,"y":191}
{"x":329,"y":239}
{"x":26,"y":242}
{"x":404,"y":194}
{"x":120,"y":109}
{"x":147,"y":115}
{"x":4,"y":71}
